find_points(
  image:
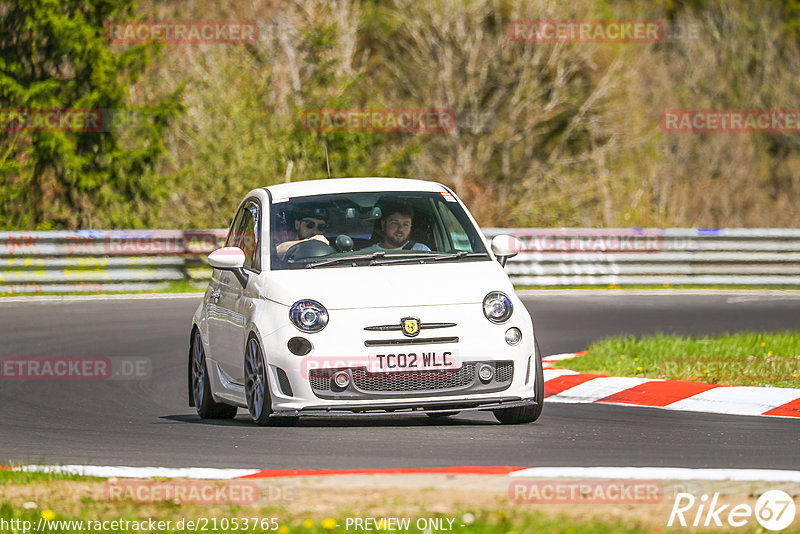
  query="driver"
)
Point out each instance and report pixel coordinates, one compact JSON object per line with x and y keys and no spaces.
{"x":309,"y":224}
{"x":395,"y":229}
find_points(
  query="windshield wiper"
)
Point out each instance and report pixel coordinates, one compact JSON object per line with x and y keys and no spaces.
{"x":423,"y":258}
{"x":379,"y":258}
{"x":346,"y":259}
{"x":459,"y":255}
{"x":400,"y":258}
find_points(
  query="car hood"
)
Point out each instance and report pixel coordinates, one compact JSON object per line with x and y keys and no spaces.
{"x":388,"y":285}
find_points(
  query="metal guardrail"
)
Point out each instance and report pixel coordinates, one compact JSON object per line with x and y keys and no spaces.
{"x":647,"y":256}
{"x":135,"y":260}
{"x":103,"y":260}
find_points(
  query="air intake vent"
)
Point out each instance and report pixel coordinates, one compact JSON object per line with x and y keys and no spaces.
{"x":283,"y":382}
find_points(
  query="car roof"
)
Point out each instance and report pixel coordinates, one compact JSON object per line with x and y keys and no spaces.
{"x":351,"y":185}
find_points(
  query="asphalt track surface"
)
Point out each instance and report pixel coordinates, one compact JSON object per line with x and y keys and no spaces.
{"x":149,"y":423}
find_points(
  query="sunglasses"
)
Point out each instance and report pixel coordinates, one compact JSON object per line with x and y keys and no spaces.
{"x":310,"y":225}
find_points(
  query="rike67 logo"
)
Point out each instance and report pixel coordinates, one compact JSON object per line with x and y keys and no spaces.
{"x":774,"y":510}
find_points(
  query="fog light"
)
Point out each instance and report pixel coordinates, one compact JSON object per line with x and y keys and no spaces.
{"x":299,"y":346}
{"x":485,"y":373}
{"x":341,"y":379}
{"x":513,"y":335}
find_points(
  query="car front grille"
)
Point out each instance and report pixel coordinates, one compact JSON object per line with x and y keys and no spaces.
{"x":320,"y":379}
{"x":414,"y":380}
{"x":364,"y":383}
{"x":504,"y":372}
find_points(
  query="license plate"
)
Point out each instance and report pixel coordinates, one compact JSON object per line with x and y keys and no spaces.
{"x":414,"y":360}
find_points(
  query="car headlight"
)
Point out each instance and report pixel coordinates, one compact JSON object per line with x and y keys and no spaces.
{"x":497,"y":307}
{"x":308,"y":316}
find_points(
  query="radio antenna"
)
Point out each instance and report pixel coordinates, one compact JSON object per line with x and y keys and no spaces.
{"x":327,"y":162}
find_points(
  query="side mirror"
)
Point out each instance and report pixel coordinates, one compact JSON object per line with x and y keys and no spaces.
{"x":505,"y":246}
{"x":229,"y":259}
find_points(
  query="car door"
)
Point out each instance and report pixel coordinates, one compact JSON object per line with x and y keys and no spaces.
{"x":218,"y":300}
{"x":214,"y":311}
{"x":236,"y":302}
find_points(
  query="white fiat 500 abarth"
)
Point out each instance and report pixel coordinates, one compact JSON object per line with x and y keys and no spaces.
{"x":361,"y":296}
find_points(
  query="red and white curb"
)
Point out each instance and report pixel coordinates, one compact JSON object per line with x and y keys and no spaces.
{"x":631,"y":473}
{"x":564,"y":385}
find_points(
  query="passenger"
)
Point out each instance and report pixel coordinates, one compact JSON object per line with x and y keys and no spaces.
{"x":396,"y":225}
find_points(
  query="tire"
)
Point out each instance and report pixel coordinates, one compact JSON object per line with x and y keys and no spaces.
{"x":201,"y":387}
{"x":256,"y":388}
{"x":526,"y":414}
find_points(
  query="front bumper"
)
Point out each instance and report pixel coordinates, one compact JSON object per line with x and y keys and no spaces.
{"x":295,"y":389}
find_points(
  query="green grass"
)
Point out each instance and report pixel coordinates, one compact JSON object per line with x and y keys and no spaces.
{"x":482,"y":521}
{"x":19,"y":477}
{"x":47,"y":497}
{"x":743,"y":359}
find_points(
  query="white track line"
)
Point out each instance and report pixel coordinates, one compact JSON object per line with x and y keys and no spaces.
{"x":630,"y":473}
{"x":661,"y":473}
{"x":550,"y":374}
{"x":139,"y":472}
{"x":559,"y":357}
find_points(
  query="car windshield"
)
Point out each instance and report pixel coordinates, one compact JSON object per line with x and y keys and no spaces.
{"x":382,"y":228}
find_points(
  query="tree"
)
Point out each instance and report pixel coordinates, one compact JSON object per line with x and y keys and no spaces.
{"x":54,"y":57}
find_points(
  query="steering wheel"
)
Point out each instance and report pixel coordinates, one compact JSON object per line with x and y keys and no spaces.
{"x":312,"y":248}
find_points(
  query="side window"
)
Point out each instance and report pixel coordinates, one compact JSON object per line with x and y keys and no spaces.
{"x":245,"y":234}
{"x":229,"y":241}
{"x":454,"y":229}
